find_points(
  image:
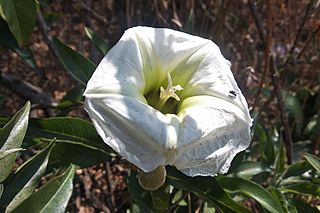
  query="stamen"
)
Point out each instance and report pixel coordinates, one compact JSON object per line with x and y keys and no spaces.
{"x":169,"y":92}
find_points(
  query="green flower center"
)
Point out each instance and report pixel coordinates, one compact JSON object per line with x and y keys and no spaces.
{"x":165,"y":100}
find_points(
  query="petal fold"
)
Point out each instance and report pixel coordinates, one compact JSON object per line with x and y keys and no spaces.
{"x":212,"y":133}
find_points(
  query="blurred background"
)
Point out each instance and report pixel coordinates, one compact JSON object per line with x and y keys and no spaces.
{"x":273,"y":46}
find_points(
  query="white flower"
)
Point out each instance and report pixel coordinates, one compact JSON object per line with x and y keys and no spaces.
{"x":163,"y":97}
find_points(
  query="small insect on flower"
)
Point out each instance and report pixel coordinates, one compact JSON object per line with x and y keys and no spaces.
{"x":232,"y":94}
{"x":159,"y":98}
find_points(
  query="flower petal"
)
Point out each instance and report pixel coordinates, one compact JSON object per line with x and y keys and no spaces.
{"x":213,"y":131}
{"x":212,"y":124}
{"x":139,"y":133}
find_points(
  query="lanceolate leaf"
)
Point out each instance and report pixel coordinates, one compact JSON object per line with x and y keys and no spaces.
{"x":8,"y":40}
{"x":21,"y":17}
{"x":294,"y":107}
{"x":78,"y":66}
{"x":282,"y":199}
{"x":25,"y":180}
{"x":189,"y":26}
{"x":65,"y":153}
{"x":1,"y":190}
{"x":296,"y":169}
{"x":305,"y":187}
{"x":68,"y":130}
{"x":252,"y":190}
{"x":313,"y":160}
{"x":11,"y":136}
{"x":280,"y":159}
{"x":248,"y":169}
{"x":52,"y":197}
{"x":206,"y":188}
{"x":102,"y":45}
{"x":9,"y":152}
{"x":76,"y":141}
{"x":265,"y":143}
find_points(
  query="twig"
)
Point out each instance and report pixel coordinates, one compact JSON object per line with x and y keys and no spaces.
{"x":112,"y":202}
{"x":298,"y":34}
{"x":283,"y":113}
{"x":308,"y":42}
{"x":256,"y":21}
{"x":189,"y":203}
{"x":94,"y":13}
{"x":26,"y":90}
{"x":274,"y":74}
{"x":159,"y":16}
{"x":268,"y":44}
{"x":45,"y":29}
{"x":176,"y":204}
{"x":267,"y":51}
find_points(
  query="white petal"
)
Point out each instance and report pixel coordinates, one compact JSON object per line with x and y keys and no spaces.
{"x":139,"y":132}
{"x":212,"y":133}
{"x":212,"y":111}
{"x":142,"y":58}
{"x":121,"y":66}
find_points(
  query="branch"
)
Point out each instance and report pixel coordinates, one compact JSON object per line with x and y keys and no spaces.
{"x":299,"y":33}
{"x":283,"y":114}
{"x":26,"y":90}
{"x":94,"y":13}
{"x":308,"y":42}
{"x":265,"y":44}
{"x":270,"y":65}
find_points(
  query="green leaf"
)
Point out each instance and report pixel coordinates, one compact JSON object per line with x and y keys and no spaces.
{"x":265,"y":143}
{"x":294,"y":107}
{"x":280,"y":159}
{"x":248,"y":169}
{"x":296,"y":169}
{"x":21,"y":17}
{"x":66,"y":129}
{"x":1,"y":189}
{"x":304,"y":207}
{"x":78,"y":66}
{"x":65,"y":153}
{"x":142,"y":200}
{"x":9,"y":152}
{"x":52,"y":197}
{"x":71,"y":100}
{"x":8,"y":40}
{"x":25,"y":180}
{"x":3,"y":122}
{"x":208,"y":209}
{"x":1,"y":13}
{"x":305,"y":187}
{"x":147,"y":201}
{"x":161,"y":198}
{"x":313,"y":160}
{"x":102,"y":45}
{"x":252,"y":190}
{"x":74,"y":95}
{"x":11,"y":136}
{"x":189,"y":26}
{"x":207,"y":188}
{"x":282,"y":199}
{"x":76,"y":140}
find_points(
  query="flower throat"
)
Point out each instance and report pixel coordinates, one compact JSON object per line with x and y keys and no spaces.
{"x":165,"y":100}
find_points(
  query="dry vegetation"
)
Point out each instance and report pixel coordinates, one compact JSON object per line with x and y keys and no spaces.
{"x":248,"y":32}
